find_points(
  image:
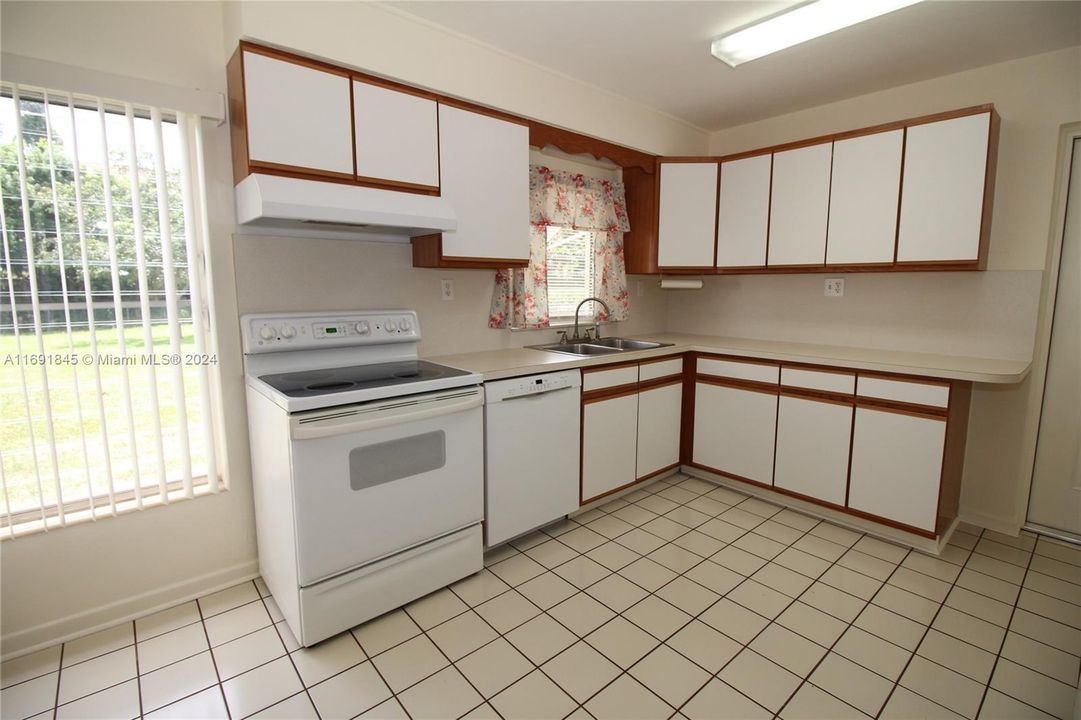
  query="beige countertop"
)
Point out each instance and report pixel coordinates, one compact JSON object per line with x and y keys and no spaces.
{"x":496,"y":364}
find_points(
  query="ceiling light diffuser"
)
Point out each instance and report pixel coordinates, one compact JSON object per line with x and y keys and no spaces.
{"x":800,"y":24}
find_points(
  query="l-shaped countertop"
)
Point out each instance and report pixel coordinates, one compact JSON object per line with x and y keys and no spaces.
{"x":497,"y":364}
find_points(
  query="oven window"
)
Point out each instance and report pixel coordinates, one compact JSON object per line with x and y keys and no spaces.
{"x":396,"y":459}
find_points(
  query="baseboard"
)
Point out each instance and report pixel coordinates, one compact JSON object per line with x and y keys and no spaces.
{"x":988,"y":522}
{"x":88,"y":621}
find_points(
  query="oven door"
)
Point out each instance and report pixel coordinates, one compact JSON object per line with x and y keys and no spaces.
{"x":374,"y":479}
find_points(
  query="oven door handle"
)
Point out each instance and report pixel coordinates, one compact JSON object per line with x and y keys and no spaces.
{"x":385,"y":415}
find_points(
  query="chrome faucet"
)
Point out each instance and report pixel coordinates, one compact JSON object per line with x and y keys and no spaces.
{"x":596,"y":325}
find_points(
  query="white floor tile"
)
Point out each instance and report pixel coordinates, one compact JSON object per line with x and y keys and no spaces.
{"x":385,"y":631}
{"x":699,"y":543}
{"x":906,"y":705}
{"x":675,"y":558}
{"x":206,"y":705}
{"x":647,"y":574}
{"x":812,"y":703}
{"x":97,"y":674}
{"x":494,"y":667}
{"x":176,"y":681}
{"x":445,"y":694}
{"x":507,"y":611}
{"x":957,"y":655}
{"x":834,"y":602}
{"x":547,"y":590}
{"x":1048,"y":632}
{"x":720,"y":701}
{"x":869,"y":565}
{"x":550,"y":554}
{"x":260,"y":688}
{"x":782,"y":579}
{"x":734,"y":620}
{"x":755,"y":596}
{"x":907,"y":604}
{"x":30,"y":666}
{"x":166,"y":620}
{"x":30,"y":697}
{"x":329,"y":657}
{"x":227,"y":599}
{"x":392,"y":710}
{"x":1047,"y":694}
{"x":943,"y":686}
{"x":760,"y":679}
{"x":617,"y":592}
{"x":297,"y":707}
{"x":99,"y":643}
{"x":980,"y":606}
{"x":873,"y":653}
{"x":657,"y":617}
{"x":582,"y":572}
{"x":970,"y":629}
{"x":581,"y":671}
{"x":626,"y":699}
{"x":119,"y":701}
{"x":997,"y":706}
{"x":687,"y":595}
{"x":891,"y":626}
{"x":1042,"y":658}
{"x":247,"y":652}
{"x":793,"y":652}
{"x":231,"y":624}
{"x":534,"y":696}
{"x":622,"y":642}
{"x":612,"y":555}
{"x":852,"y":683}
{"x":462,"y":635}
{"x":811,"y":623}
{"x":439,"y":606}
{"x":704,"y":645}
{"x":540,"y":638}
{"x":670,"y":675}
{"x":717,"y":578}
{"x":170,"y":647}
{"x":409,"y":662}
{"x":350,"y":693}
{"x":581,"y":613}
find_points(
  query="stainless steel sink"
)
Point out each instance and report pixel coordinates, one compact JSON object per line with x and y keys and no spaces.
{"x":627,"y":344}
{"x":604,"y":346}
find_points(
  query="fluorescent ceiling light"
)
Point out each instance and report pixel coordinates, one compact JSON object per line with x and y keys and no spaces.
{"x":802,"y":23}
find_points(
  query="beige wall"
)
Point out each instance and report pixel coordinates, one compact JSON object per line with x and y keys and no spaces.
{"x":1034,"y":96}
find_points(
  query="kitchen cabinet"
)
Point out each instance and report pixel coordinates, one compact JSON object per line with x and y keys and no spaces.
{"x":631,"y":423}
{"x":397,"y":137}
{"x":743,"y":212}
{"x":687,"y":215}
{"x":735,"y":418}
{"x":814,"y":429}
{"x":484,"y":172}
{"x":799,"y":206}
{"x":946,"y":192}
{"x":297,"y":115}
{"x":864,"y":188}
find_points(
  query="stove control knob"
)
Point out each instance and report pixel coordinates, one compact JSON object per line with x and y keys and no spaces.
{"x":267,"y":332}
{"x":362,"y":327}
{"x":389,"y":326}
{"x":405,"y":325}
{"x":289,"y":332}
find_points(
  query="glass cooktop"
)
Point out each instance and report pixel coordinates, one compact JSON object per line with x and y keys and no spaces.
{"x":310,"y":383}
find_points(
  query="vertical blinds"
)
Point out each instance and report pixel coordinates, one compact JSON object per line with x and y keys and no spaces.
{"x":106,"y":345}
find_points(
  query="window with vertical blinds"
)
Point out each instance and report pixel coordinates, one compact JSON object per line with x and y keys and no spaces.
{"x":107,"y":358}
{"x":570,"y":272}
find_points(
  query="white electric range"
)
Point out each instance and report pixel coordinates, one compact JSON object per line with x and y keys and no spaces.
{"x":367,"y":464}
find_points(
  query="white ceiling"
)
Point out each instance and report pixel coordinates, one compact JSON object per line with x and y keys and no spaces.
{"x":657,"y":52}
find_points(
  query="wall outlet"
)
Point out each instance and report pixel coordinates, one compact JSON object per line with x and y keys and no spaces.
{"x":447,"y":289}
{"x":835,"y":287}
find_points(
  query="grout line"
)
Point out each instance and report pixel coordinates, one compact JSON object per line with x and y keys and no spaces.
{"x":138,"y":673}
{"x":210,"y":649}
{"x":59,"y":672}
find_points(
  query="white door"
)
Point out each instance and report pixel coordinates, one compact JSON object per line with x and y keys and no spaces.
{"x":897,"y":466}
{"x":297,"y":116}
{"x":734,"y":431}
{"x":743,"y":212}
{"x":484,"y":167}
{"x":1055,"y":499}
{"x":812,"y":448}
{"x":397,"y":136}
{"x":688,"y":214}
{"x":799,"y":206}
{"x":942,"y":191}
{"x":864,"y":187}
{"x":609,"y":436}
{"x":659,"y":412}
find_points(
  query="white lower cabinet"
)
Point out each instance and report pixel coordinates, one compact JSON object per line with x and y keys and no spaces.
{"x":897,"y":466}
{"x":813,"y":439}
{"x":734,"y":430}
{"x":659,"y":411}
{"x":609,"y":436}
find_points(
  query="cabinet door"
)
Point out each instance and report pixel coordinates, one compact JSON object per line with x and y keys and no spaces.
{"x":609,"y":435}
{"x":897,"y":466}
{"x":743,"y":212}
{"x":864,"y":187}
{"x":397,"y":136}
{"x":688,"y":214}
{"x":659,"y":411}
{"x":943,"y":189}
{"x":812,"y":448}
{"x":297,"y":116}
{"x":799,"y":206}
{"x":484,"y":164}
{"x":734,"y":431}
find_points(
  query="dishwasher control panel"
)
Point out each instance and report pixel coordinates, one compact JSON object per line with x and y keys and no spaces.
{"x":531,"y":385}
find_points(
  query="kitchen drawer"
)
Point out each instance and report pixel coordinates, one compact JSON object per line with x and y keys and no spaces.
{"x":600,"y":379}
{"x":758,"y":372}
{"x":931,"y":393}
{"x":828,"y":381}
{"x":651,"y":369}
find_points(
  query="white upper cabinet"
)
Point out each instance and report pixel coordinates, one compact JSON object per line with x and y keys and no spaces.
{"x":943,"y":190}
{"x":743,"y":212}
{"x":800,"y":205}
{"x":688,"y":214}
{"x":397,"y":136}
{"x":484,"y":168}
{"x":297,"y":116}
{"x":864,"y":189}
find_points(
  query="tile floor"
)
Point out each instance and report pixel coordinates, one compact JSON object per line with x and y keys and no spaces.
{"x":681,"y":599}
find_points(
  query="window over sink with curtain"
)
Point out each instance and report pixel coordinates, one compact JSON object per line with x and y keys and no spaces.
{"x":576,"y":251}
{"x":106,"y":354}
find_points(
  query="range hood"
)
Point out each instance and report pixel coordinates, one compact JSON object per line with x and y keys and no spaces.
{"x":310,"y":207}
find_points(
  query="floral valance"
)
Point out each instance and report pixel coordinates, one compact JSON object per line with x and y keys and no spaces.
{"x":557,"y":197}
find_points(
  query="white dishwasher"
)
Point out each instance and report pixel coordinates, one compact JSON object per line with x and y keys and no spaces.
{"x":532,"y":448}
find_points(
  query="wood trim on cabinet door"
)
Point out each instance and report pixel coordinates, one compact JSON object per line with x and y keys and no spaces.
{"x":751,"y":385}
{"x":238,"y":119}
{"x":660,"y":382}
{"x":738,"y":358}
{"x":609,"y":393}
{"x":990,"y":174}
{"x":822,"y":396}
{"x":900,"y":197}
{"x":686,"y":430}
{"x":928,"y":412}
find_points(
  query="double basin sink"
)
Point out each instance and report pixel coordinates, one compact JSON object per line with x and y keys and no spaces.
{"x":600,"y":346}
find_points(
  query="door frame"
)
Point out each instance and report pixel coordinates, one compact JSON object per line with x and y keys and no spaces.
{"x":1068,"y":135}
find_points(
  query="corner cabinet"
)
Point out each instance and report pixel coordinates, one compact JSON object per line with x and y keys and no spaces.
{"x":910,"y":195}
{"x":484,"y":172}
{"x":631,"y":420}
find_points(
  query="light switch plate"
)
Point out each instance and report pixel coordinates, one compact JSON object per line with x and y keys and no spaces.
{"x":835,"y":287}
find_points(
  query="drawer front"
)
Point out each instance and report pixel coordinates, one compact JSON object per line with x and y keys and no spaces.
{"x":599,"y":379}
{"x":933,"y":394}
{"x":659,"y":369}
{"x":817,"y":380}
{"x":738,"y":370}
